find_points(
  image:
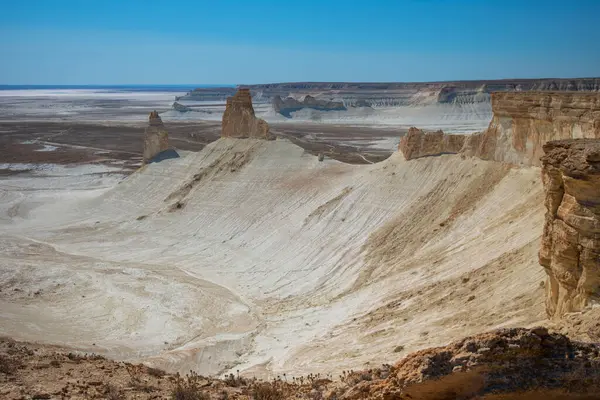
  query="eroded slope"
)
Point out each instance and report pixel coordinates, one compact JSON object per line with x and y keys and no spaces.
{"x":275,"y":262}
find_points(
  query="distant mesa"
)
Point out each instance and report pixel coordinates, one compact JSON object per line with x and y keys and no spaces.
{"x":289,"y":105}
{"x":418,"y":143}
{"x":239,"y":120}
{"x":181,"y":108}
{"x":570,"y":248}
{"x":156,"y":141}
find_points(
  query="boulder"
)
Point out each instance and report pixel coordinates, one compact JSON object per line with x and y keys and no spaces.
{"x":239,"y":120}
{"x":570,"y":247}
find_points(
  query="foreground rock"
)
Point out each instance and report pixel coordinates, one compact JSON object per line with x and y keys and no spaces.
{"x":239,"y":120}
{"x":570,"y":250}
{"x":524,"y":121}
{"x":506,"y":361}
{"x":418,"y":143}
{"x":289,"y":105}
{"x":156,"y":138}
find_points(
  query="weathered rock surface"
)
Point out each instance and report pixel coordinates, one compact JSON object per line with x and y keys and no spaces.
{"x":156,"y":138}
{"x":181,"y":108}
{"x":418,"y":143}
{"x":239,"y":120}
{"x":504,"y":361}
{"x":289,"y":105}
{"x":570,"y":249}
{"x":524,"y":121}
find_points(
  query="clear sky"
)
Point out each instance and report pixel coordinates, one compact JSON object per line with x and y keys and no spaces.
{"x":259,"y":41}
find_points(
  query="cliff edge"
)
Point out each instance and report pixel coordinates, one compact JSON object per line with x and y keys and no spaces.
{"x":239,"y":120}
{"x":570,"y":249}
{"x":523,"y":122}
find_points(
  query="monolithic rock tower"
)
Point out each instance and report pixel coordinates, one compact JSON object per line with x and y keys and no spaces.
{"x":156,"y":138}
{"x":239,"y":120}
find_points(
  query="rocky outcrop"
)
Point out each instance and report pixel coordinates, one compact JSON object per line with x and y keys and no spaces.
{"x":523,"y":122}
{"x":290,"y":105}
{"x":570,"y":249}
{"x":156,"y":138}
{"x":511,"y":363}
{"x":418,"y":143}
{"x":181,"y":108}
{"x":239,"y":120}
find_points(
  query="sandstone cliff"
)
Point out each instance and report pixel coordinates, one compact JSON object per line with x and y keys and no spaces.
{"x":239,"y":120}
{"x":156,"y":138}
{"x":570,"y":250}
{"x":523,"y":122}
{"x":418,"y":143}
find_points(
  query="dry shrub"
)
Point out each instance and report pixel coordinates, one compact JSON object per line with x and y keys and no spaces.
{"x":188,"y":388}
{"x":113,"y":393}
{"x":8,"y":365}
{"x":266,"y":391}
{"x":155,"y":372}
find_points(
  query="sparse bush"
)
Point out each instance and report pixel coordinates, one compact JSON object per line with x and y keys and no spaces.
{"x":113,"y":393}
{"x":8,"y":365}
{"x":156,"y":372}
{"x":266,"y":391}
{"x":136,"y":381}
{"x":188,"y":388}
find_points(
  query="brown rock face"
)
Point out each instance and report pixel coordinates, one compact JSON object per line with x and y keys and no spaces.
{"x":156,"y":138}
{"x":239,"y":120}
{"x":417,"y":143}
{"x":524,"y":121}
{"x":570,"y":250}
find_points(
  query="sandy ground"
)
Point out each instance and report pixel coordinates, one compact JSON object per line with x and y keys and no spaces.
{"x":255,"y":256}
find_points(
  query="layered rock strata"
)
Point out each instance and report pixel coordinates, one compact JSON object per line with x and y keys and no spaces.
{"x":523,"y":122}
{"x":418,"y":143}
{"x":156,"y":138}
{"x":570,"y":249}
{"x":286,"y":106}
{"x":239,"y":120}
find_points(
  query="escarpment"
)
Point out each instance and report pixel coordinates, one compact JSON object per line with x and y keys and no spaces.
{"x":239,"y":120}
{"x":156,"y":138}
{"x":521,"y":124}
{"x":418,"y":143}
{"x":570,"y":249}
{"x":523,"y":121}
{"x":286,"y":106}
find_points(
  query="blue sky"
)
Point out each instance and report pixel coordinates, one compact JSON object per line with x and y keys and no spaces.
{"x":235,"y":41}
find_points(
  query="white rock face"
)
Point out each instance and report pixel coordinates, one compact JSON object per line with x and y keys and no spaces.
{"x":252,"y":255}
